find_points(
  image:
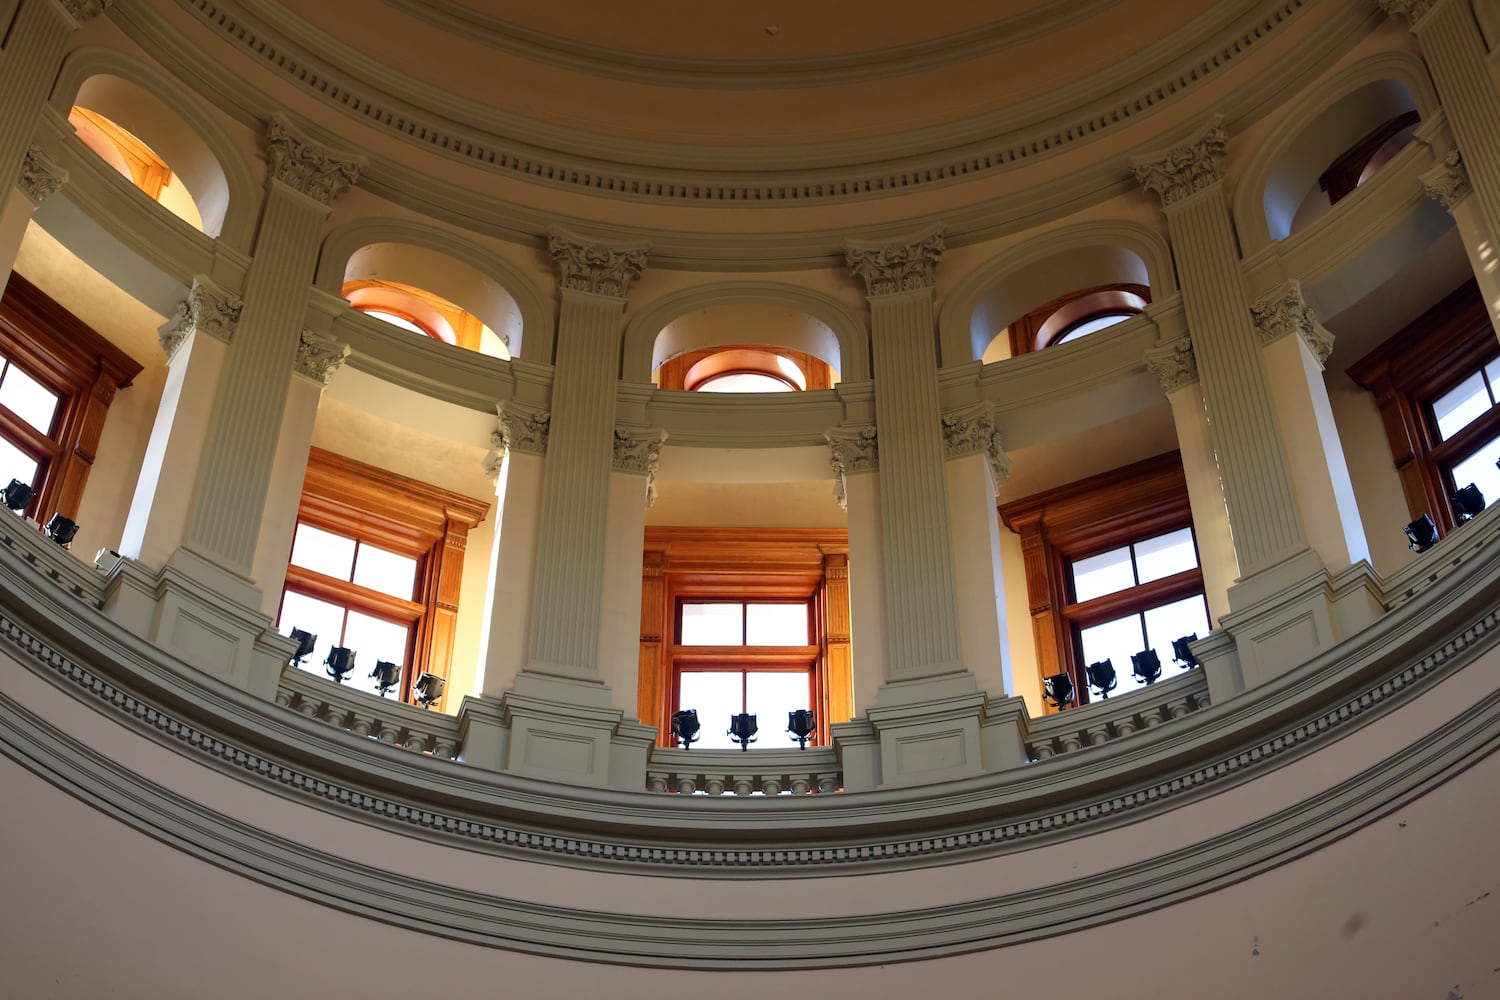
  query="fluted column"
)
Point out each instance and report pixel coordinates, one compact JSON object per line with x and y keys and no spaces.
{"x":921,"y":613}
{"x":28,"y":65}
{"x":854,"y":454}
{"x":1456,"y":56}
{"x":225,"y":520}
{"x":632,"y":489}
{"x":568,"y":592}
{"x":1226,"y":349}
{"x":1448,"y":183}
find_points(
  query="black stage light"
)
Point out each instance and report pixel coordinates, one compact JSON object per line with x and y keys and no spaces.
{"x":1422,"y":534}
{"x":339,"y":662}
{"x":1102,"y":677}
{"x":801,"y":725}
{"x":18,"y":495}
{"x":62,"y":530}
{"x":1058,"y":690}
{"x":685,"y":727}
{"x":428,"y":688}
{"x":1468,"y":502}
{"x":742,"y":729}
{"x":1146,"y":666}
{"x":387,"y":675}
{"x":1182,"y":654}
{"x":305,"y":643}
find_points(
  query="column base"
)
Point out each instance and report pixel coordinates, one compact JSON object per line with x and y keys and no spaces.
{"x":203,"y":615}
{"x":565,"y":730}
{"x":483,"y":736}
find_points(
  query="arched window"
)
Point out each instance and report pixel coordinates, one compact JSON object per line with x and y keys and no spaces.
{"x":1074,"y":316}
{"x":745,"y":368}
{"x":1361,"y":161}
{"x":136,"y":161}
{"x":419,"y":311}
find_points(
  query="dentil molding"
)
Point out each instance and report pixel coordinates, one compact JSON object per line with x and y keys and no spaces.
{"x":296,"y":161}
{"x":1186,"y":169}
{"x":209,"y":308}
{"x":971,"y":430}
{"x":902,"y":266}
{"x":524,"y":428}
{"x":41,"y":175}
{"x":1173,"y":364}
{"x":585,"y":265}
{"x":320,"y":356}
{"x":1284,"y":312}
{"x":638,"y":450}
{"x":1448,"y":182}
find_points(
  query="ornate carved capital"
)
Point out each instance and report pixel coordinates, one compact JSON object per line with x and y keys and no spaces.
{"x":1173,"y":364}
{"x":524,"y":427}
{"x":902,"y":266}
{"x":638,"y":450}
{"x":208,"y":309}
{"x":296,"y":161}
{"x":494,"y":459}
{"x":1412,"y":10}
{"x":320,"y":356}
{"x":586,"y":266}
{"x":1191,"y":167}
{"x":1448,"y":182}
{"x":1285,"y":312}
{"x":41,"y":175}
{"x":83,"y":10}
{"x":850,"y":450}
{"x":971,"y":430}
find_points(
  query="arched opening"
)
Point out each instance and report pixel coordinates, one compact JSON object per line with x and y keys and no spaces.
{"x":745,"y":348}
{"x":434,"y":295}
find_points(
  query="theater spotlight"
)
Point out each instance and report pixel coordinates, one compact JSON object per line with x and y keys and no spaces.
{"x":1146,"y":666}
{"x":339,"y":662}
{"x":18,"y":495}
{"x":428,"y":688}
{"x":801,"y":724}
{"x":1102,"y":677}
{"x":1468,"y":502}
{"x":1182,"y":654}
{"x":62,"y":530}
{"x":386,"y":675}
{"x":742,"y":729}
{"x":1422,"y":534}
{"x":685,"y":728}
{"x":1058,"y":691}
{"x":305,"y":643}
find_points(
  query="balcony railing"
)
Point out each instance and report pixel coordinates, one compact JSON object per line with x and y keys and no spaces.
{"x":362,"y":714}
{"x":743,"y":773}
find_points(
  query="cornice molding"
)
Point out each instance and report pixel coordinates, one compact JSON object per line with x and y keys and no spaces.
{"x":1284,"y":312}
{"x":306,"y":167}
{"x":1186,"y":169}
{"x":524,"y":428}
{"x":588,"y":265}
{"x":41,"y":175}
{"x":209,"y":308}
{"x":320,"y":356}
{"x":904,"y":265}
{"x":1448,"y":182}
{"x":637,"y":450}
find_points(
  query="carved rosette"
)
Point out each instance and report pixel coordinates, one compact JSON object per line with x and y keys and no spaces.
{"x":587,"y":266}
{"x":1284,"y":312}
{"x":1173,"y":364}
{"x":638,"y":451}
{"x":971,"y":430}
{"x":851,"y":450}
{"x":208,"y":308}
{"x":1186,"y":169}
{"x":306,"y":167}
{"x":524,"y":428}
{"x":887,"y":268}
{"x":320,"y":356}
{"x":1448,"y":182}
{"x":83,"y":10}
{"x":1412,"y":10}
{"x":41,"y":175}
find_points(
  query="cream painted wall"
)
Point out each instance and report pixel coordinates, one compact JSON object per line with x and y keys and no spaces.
{"x":746,"y":505}
{"x":1025,"y":675}
{"x":1377,"y":487}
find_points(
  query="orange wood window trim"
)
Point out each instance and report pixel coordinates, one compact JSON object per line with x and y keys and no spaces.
{"x":673,"y":372}
{"x":745,"y":564}
{"x":413,"y":518}
{"x":1085,"y":518}
{"x":1442,"y":347}
{"x":83,"y":368}
{"x":1024,"y":331}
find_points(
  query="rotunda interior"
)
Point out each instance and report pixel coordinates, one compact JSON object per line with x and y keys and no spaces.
{"x":446,"y":437}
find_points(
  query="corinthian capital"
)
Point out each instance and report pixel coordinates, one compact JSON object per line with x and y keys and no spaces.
{"x":41,"y":176}
{"x":1182,"y":170}
{"x":524,"y":427}
{"x":1284,"y":312}
{"x":902,"y":266}
{"x":851,"y":450}
{"x":1173,"y":364}
{"x":586,"y":266}
{"x":83,"y":10}
{"x":638,"y":450}
{"x":1448,"y":182}
{"x":208,"y":308}
{"x":320,"y":356}
{"x":971,"y":430}
{"x":299,"y":163}
{"x":1412,"y":10}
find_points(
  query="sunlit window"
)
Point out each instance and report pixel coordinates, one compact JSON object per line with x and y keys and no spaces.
{"x":398,"y":321}
{"x":745,"y":382}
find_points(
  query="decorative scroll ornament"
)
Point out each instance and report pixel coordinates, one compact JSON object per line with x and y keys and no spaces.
{"x":320,"y":356}
{"x":83,"y":10}
{"x":524,"y":428}
{"x":1173,"y":364}
{"x":1185,"y":169}
{"x":850,"y":450}
{"x":1412,"y":10}
{"x":638,"y":450}
{"x":41,"y":175}
{"x":586,"y":266}
{"x":208,"y":309}
{"x":971,"y":430}
{"x":887,"y":268}
{"x":1284,"y":312}
{"x":1448,"y":182}
{"x":306,"y":167}
{"x":494,"y":459}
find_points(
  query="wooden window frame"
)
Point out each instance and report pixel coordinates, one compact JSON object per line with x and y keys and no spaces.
{"x":1407,"y":373}
{"x":403,"y":515}
{"x":1343,"y":174}
{"x":673,"y":373}
{"x":1094,"y":515}
{"x":1025,"y":333}
{"x":745,"y":565}
{"x":84,"y":369}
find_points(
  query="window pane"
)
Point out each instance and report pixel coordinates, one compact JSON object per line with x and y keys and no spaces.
{"x":373,"y":639}
{"x":322,"y":619}
{"x":715,"y":696}
{"x":776,"y":624}
{"x":1114,"y":641}
{"x":399,"y":321}
{"x":323,"y":551}
{"x":1094,"y":325}
{"x":386,"y":572}
{"x":1492,"y":372}
{"x":1165,"y":555}
{"x":744,"y":382}
{"x":712,"y":625}
{"x":770,"y":696}
{"x":1479,"y":469}
{"x":16,"y":464}
{"x":28,"y":399}
{"x":1458,"y":407}
{"x":1102,"y":574}
{"x":1173,"y":621}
